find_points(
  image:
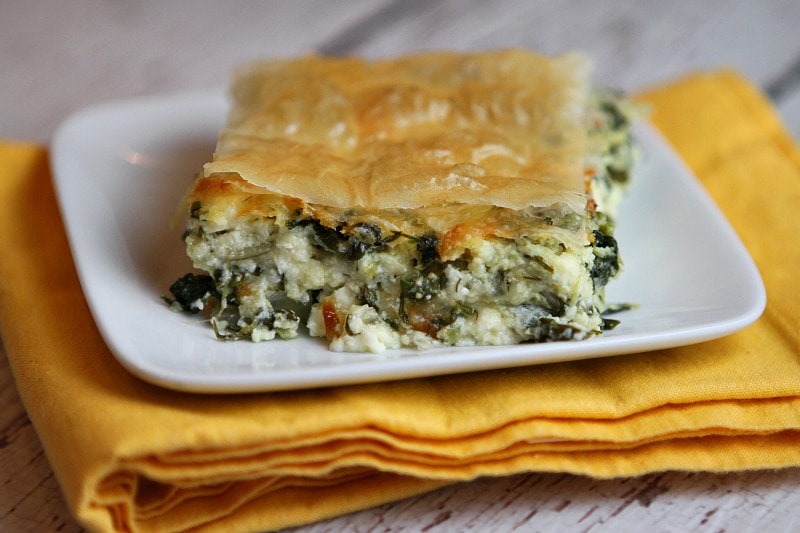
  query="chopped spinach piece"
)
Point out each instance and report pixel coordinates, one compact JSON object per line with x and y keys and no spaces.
{"x":609,"y":324}
{"x":618,"y":175}
{"x":362,"y":239}
{"x":424,"y":285}
{"x":539,"y":260}
{"x":427,"y":248}
{"x":618,"y":308}
{"x":195,"y":210}
{"x":192,"y":291}
{"x":616,"y":116}
{"x":606,"y":259}
{"x":229,"y":325}
{"x":547,"y":328}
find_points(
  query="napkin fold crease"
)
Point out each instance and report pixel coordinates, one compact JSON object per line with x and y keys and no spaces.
{"x":131,"y":456}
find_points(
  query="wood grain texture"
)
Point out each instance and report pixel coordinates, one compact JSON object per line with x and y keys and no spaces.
{"x":669,"y":501}
{"x":633,"y":43}
{"x":58,"y":56}
{"x":30,"y":499}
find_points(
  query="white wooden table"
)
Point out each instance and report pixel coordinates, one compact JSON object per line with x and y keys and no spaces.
{"x":57,"y":56}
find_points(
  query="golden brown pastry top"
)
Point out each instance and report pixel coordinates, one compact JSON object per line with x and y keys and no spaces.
{"x":502,"y":128}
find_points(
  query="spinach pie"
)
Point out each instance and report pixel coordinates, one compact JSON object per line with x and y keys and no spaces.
{"x":438,"y":199}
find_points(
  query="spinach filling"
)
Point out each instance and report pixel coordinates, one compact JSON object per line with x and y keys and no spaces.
{"x":416,"y":293}
{"x":236,"y":327}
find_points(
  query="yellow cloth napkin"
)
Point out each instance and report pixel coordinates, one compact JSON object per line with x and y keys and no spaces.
{"x":133,"y":457}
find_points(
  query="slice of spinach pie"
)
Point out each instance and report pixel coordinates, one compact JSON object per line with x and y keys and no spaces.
{"x":438,"y":199}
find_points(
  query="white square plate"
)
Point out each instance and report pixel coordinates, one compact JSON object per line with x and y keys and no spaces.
{"x":120,"y":172}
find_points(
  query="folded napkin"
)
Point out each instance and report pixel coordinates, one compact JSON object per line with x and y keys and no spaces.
{"x":134,"y":457}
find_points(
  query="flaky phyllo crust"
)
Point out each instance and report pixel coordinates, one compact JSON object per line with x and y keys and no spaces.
{"x":475,"y":178}
{"x":504,"y":128}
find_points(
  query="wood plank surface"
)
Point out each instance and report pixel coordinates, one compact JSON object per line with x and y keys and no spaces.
{"x":56,"y":57}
